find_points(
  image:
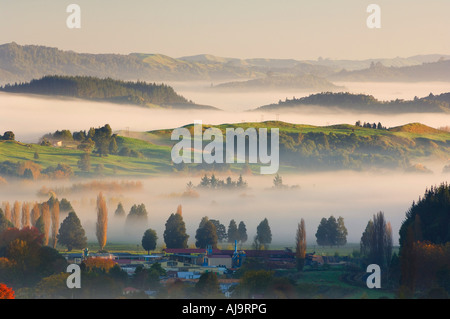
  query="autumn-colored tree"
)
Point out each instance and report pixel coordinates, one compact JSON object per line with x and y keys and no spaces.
{"x":26,"y":215}
{"x":7,"y":211}
{"x":35,"y":214}
{"x":55,"y":222}
{"x":4,"y":223}
{"x":179,"y":210}
{"x":15,"y":215}
{"x":6,"y":292}
{"x":102,"y":221}
{"x":21,"y":246}
{"x":300,"y":247}
{"x":54,"y":286}
{"x":100,"y":263}
{"x":46,"y":220}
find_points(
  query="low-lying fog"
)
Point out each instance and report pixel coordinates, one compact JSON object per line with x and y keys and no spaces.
{"x":30,"y":117}
{"x":354,"y":196}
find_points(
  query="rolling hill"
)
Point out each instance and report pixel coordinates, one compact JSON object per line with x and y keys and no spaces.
{"x":303,"y":148}
{"x":377,"y":72}
{"x":363,"y":103}
{"x":303,"y":82}
{"x":115,"y":91}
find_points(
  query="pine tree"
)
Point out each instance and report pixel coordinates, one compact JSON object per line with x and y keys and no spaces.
{"x":120,"y":211}
{"x":71,"y":233}
{"x":242,"y":231}
{"x":233,"y":233}
{"x":220,"y":230}
{"x":206,"y":234}
{"x":263,"y":233}
{"x":149,"y":240}
{"x":175,"y":232}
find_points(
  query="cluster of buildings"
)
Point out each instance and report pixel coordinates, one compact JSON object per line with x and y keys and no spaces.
{"x":188,"y":264}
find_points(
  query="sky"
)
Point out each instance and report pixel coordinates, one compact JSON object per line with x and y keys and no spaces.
{"x":296,"y":29}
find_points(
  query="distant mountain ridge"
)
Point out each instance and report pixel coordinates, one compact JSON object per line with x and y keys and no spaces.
{"x":302,"y":82}
{"x":377,"y":72}
{"x":22,"y":63}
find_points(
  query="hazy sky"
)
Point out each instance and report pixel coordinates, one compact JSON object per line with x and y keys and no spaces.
{"x":234,"y":28}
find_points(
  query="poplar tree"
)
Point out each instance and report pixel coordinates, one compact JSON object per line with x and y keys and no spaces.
{"x":15,"y":215}
{"x":35,"y":214}
{"x":102,"y":221}
{"x":300,"y":247}
{"x":26,"y":215}
{"x":46,"y":220}
{"x":55,"y":222}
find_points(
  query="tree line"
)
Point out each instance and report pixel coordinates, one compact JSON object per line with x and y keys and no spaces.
{"x":420,"y":268}
{"x":87,"y":87}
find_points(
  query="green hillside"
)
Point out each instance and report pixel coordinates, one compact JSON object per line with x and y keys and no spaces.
{"x":302,"y":148}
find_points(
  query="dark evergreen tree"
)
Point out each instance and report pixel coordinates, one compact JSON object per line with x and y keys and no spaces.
{"x":71,"y":233}
{"x":242,"y":232}
{"x":120,"y":211}
{"x":84,"y":163}
{"x":136,"y":220}
{"x":175,"y":232}
{"x":263,"y":233}
{"x":149,"y":240}
{"x":233,"y":233}
{"x":208,"y":286}
{"x":206,"y":234}
{"x":221,"y":230}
